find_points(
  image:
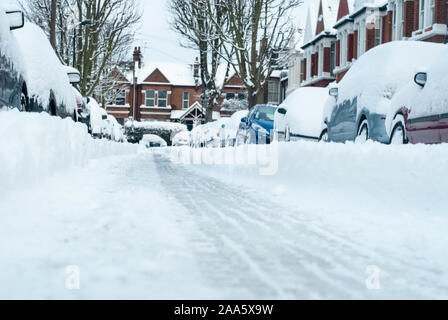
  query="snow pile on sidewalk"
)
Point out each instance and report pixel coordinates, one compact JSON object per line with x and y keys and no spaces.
{"x":33,"y":146}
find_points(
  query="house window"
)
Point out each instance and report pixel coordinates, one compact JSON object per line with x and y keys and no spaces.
{"x":120,"y":97}
{"x":230,"y":96}
{"x":162,"y":98}
{"x":242,"y":96}
{"x":273,"y":91}
{"x":332,"y":57}
{"x":186,"y":100}
{"x":421,"y":16}
{"x":150,"y":98}
{"x":432,"y":12}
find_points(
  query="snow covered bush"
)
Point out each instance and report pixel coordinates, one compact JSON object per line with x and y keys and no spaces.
{"x":134,"y":130}
{"x":234,"y":105}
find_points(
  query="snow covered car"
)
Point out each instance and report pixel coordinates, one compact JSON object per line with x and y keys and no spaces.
{"x":420,"y":113}
{"x":300,"y":115}
{"x":48,"y":85}
{"x":181,"y":139}
{"x":100,"y":126}
{"x":153,"y":141}
{"x":13,"y":87}
{"x":83,"y":113}
{"x":362,"y":99}
{"x":232,"y":127}
{"x":259,"y":125}
{"x":196,"y":137}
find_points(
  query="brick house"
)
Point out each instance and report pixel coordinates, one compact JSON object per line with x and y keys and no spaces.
{"x":363,"y":24}
{"x":168,"y":91}
{"x":319,"y":48}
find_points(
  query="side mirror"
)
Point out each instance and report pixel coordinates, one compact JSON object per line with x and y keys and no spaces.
{"x":16,"y":19}
{"x":421,"y":78}
{"x":282,"y":111}
{"x":104,"y":117}
{"x":245,"y":120}
{"x":74,"y":78}
{"x":334,"y":92}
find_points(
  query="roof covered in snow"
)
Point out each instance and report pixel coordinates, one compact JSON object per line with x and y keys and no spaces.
{"x":177,"y":74}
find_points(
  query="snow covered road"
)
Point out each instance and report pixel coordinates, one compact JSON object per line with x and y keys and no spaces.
{"x":141,"y":226}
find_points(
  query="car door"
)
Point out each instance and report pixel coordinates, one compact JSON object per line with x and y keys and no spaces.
{"x":3,"y":75}
{"x":342,"y":125}
{"x":443,"y":122}
{"x":425,"y":129}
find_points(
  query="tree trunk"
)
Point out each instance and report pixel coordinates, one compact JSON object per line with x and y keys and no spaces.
{"x":53,"y":23}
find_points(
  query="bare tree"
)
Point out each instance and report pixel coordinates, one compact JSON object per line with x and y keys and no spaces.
{"x":255,"y":34}
{"x":190,"y":19}
{"x":99,"y":46}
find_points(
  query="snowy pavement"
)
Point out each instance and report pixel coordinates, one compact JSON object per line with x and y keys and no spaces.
{"x":141,"y":226}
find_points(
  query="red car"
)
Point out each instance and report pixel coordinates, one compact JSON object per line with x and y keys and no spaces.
{"x":421,"y":114}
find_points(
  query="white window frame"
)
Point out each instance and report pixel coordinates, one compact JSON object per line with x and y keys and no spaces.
{"x":320,"y":67}
{"x":149,"y":99}
{"x":163,"y":99}
{"x":122,"y":92}
{"x":187,"y":100}
{"x":431,"y":12}
{"x":271,"y":85}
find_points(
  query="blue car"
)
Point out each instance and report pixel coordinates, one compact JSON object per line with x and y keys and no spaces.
{"x":258,"y":126}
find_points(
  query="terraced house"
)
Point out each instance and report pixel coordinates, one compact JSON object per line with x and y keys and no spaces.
{"x":346,"y":29}
{"x":170,"y":91}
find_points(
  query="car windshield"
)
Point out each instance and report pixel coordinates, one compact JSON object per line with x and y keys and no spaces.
{"x":265,"y":113}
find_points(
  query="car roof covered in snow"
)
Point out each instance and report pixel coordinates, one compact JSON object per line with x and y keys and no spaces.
{"x":380,"y":72}
{"x":45,"y":73}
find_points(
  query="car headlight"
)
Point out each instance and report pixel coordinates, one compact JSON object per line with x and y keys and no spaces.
{"x":259,"y":128}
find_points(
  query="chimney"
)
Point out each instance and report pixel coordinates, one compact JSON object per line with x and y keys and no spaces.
{"x":138,"y":56}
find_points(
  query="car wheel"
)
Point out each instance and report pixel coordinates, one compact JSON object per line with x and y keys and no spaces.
{"x":398,"y":136}
{"x":363,"y":132}
{"x":324,"y":136}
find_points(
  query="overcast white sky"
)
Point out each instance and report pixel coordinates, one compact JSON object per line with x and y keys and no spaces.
{"x":159,"y":43}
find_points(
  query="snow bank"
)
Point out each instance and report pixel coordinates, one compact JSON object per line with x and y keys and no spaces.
{"x":45,"y":72}
{"x":33,"y":146}
{"x":382,"y":71}
{"x":156,"y":125}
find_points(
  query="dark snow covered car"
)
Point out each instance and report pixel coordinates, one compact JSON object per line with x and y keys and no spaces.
{"x":363,"y":99}
{"x":83,"y":112}
{"x":48,"y":84}
{"x":13,"y":88}
{"x":420,"y":113}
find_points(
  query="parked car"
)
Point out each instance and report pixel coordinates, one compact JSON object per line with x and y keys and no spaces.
{"x":13,"y":86}
{"x":100,"y":126}
{"x":420,"y":113}
{"x":153,"y":141}
{"x":300,"y":115}
{"x":83,"y":113}
{"x":48,"y":85}
{"x":181,"y":139}
{"x":257,"y":127}
{"x":233,"y":126}
{"x":363,"y":98}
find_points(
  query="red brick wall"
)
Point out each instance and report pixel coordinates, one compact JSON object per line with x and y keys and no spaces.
{"x":304,"y":68}
{"x":408,"y":18}
{"x":338,"y":53}
{"x":355,"y":44}
{"x":350,"y":48}
{"x":440,"y":12}
{"x":370,"y":38}
{"x":416,"y":14}
{"x":387,"y":27}
{"x":327,"y":60}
